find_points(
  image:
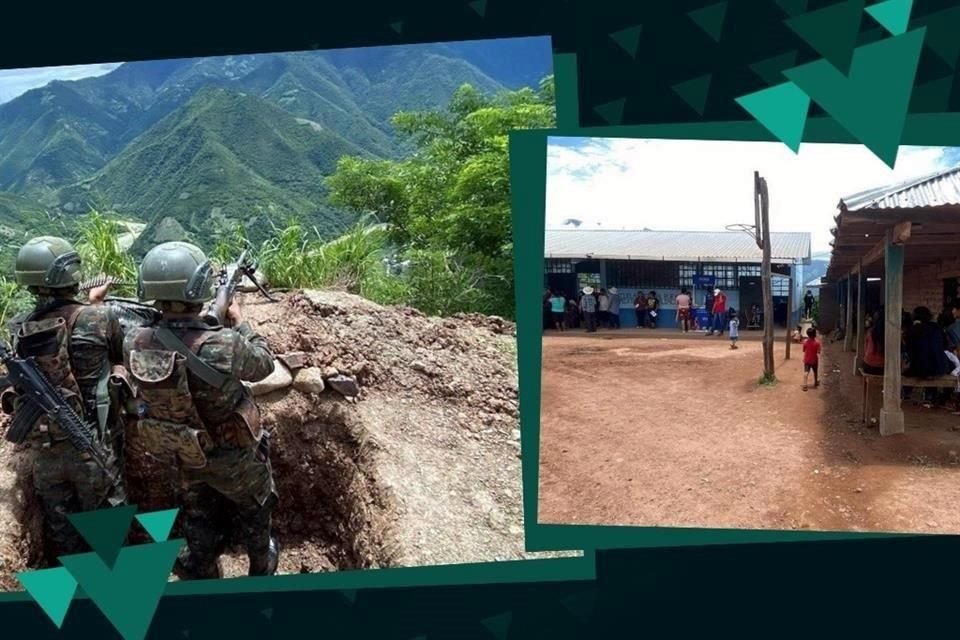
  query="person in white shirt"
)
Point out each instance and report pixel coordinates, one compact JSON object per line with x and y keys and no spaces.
{"x":683,"y":310}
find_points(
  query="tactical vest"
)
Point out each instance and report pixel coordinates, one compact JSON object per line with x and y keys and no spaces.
{"x":47,"y":341}
{"x":168,"y":424}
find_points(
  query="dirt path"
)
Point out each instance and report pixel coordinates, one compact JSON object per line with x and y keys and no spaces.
{"x":676,"y":432}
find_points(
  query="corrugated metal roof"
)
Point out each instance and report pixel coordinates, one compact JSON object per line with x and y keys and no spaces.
{"x":935,"y":190}
{"x":707,"y":246}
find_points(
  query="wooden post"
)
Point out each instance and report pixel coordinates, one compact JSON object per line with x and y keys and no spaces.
{"x":861,"y":320}
{"x":891,"y":415}
{"x":848,"y":325}
{"x":767,"y":281}
{"x":789,"y":316}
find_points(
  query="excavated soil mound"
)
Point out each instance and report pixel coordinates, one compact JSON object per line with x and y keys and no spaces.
{"x":422,"y":467}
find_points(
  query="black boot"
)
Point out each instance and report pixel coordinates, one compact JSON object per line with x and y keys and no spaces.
{"x":191,"y":567}
{"x":264,"y":562}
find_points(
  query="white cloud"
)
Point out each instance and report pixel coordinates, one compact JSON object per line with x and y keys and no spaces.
{"x":705,"y":185}
{"x":14,"y":82}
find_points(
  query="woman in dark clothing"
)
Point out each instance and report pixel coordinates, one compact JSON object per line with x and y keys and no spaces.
{"x":926,"y":343}
{"x":572,"y":315}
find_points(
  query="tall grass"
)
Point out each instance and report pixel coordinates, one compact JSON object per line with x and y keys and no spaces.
{"x":13,"y":300}
{"x":100,"y":253}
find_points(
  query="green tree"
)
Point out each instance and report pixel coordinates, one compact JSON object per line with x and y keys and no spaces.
{"x":449,"y":203}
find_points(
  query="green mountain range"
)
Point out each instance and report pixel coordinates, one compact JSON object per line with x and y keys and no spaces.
{"x":190,"y":146}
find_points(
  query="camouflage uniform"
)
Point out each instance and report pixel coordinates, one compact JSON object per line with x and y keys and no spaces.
{"x":230,"y":488}
{"x":67,"y":481}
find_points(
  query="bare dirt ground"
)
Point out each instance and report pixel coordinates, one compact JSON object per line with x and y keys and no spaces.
{"x":423,"y":468}
{"x":677,"y":432}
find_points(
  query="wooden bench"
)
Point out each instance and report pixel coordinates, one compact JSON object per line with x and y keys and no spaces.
{"x":872,"y":379}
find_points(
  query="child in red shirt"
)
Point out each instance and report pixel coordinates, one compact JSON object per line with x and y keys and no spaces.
{"x":811,"y":357}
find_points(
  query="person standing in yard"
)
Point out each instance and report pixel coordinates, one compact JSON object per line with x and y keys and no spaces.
{"x":614,"y":308}
{"x":708,"y":307}
{"x":572,"y":315}
{"x":653,"y":308}
{"x":603,"y":309}
{"x":640,"y":304}
{"x":873,"y":344}
{"x":557,"y":305}
{"x":588,"y":306}
{"x":734,"y":328}
{"x":683,"y":310}
{"x":808,"y":305}
{"x":719,"y":311}
{"x":811,"y":358}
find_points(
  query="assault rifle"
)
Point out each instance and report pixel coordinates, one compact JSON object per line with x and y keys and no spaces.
{"x":42,"y":399}
{"x":230,"y":278}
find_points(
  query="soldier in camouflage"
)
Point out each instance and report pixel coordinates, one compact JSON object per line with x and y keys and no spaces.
{"x":75,"y":345}
{"x":196,"y":413}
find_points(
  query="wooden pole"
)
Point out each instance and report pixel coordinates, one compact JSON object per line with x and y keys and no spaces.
{"x":768,"y":365}
{"x":789,"y":315}
{"x":848,"y":325}
{"x":861,"y":320}
{"x":891,"y":415}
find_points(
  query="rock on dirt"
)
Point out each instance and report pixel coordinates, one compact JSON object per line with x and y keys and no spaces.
{"x":309,"y":381}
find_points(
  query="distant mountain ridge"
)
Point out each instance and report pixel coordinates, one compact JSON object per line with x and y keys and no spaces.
{"x":234,"y":137}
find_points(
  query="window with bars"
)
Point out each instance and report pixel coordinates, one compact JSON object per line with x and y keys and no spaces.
{"x":635,"y":274}
{"x":687,"y":271}
{"x":725,"y":275}
{"x":748,"y":270}
{"x":552,"y":265}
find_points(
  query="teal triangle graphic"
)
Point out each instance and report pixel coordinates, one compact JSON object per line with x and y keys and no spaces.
{"x":831,"y":31}
{"x":793,"y":7}
{"x":581,"y":605}
{"x":942,"y":28}
{"x":158,"y":524}
{"x":893,"y":15}
{"x":628,"y":39}
{"x":350,"y":594}
{"x":498,"y":625}
{"x":479,"y":7}
{"x":128,"y":594}
{"x":267,"y":613}
{"x":53,"y":589}
{"x":886,"y":68}
{"x":771,"y":69}
{"x":397,"y":26}
{"x":932,"y":97}
{"x":694,"y":92}
{"x":782,"y":110}
{"x":612,"y":111}
{"x":105,"y":530}
{"x":710,"y":19}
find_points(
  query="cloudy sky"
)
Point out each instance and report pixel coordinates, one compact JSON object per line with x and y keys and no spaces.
{"x":620,"y":183}
{"x":14,"y":82}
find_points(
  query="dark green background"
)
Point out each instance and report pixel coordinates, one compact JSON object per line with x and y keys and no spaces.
{"x":904,"y":585}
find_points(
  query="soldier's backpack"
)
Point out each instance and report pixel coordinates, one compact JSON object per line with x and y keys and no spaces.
{"x":47,"y":341}
{"x":168,"y":425}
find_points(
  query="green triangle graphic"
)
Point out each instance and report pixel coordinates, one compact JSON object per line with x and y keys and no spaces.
{"x":932,"y":97}
{"x":782,"y":110}
{"x":498,"y":625}
{"x":771,"y":69}
{"x":628,"y":39}
{"x":831,"y":31}
{"x":158,"y":524}
{"x":105,"y":530}
{"x":53,"y":589}
{"x":129,"y":594}
{"x":710,"y":19}
{"x":893,"y":15}
{"x":267,"y":613}
{"x":793,"y":7}
{"x":886,"y":68}
{"x":479,"y":7}
{"x":581,"y":605}
{"x":942,"y":28}
{"x":350,"y":594}
{"x":694,"y":92}
{"x":397,"y":26}
{"x":612,"y":111}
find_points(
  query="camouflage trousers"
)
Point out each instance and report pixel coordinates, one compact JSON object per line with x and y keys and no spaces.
{"x":231,"y":500}
{"x":67,"y":482}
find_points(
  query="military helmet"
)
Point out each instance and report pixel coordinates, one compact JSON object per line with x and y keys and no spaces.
{"x":47,"y":262}
{"x":176,"y":272}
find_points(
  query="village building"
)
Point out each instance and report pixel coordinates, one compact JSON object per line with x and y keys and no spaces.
{"x":666,"y":261}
